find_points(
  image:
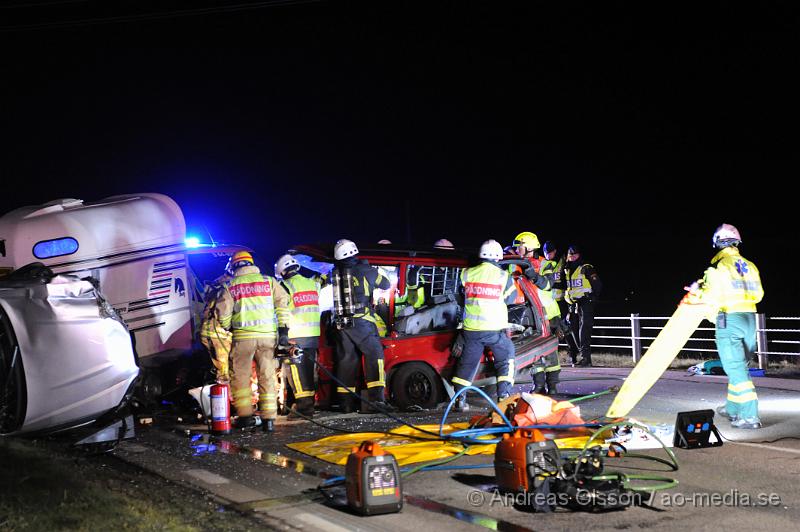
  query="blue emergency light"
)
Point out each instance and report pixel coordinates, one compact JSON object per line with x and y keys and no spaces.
{"x":192,"y":242}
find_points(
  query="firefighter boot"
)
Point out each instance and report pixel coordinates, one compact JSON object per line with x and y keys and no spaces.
{"x":247,"y":422}
{"x":268,"y":425}
{"x":538,"y":382}
{"x":303,"y":408}
{"x":552,"y":381}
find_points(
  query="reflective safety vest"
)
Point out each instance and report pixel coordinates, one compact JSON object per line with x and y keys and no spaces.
{"x":734,"y":285}
{"x":302,"y":314}
{"x":578,"y":284}
{"x":253,"y":308}
{"x":549,"y":303}
{"x":414,"y":295}
{"x":484,"y":297}
{"x":558,"y":282}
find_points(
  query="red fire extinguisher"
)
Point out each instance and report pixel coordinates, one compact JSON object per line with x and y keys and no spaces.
{"x":220,"y":409}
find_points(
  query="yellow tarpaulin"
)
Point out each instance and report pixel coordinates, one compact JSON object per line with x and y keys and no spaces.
{"x":406,"y":450}
{"x":664,"y":348}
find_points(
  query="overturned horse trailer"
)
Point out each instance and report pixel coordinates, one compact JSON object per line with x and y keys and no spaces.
{"x":134,"y":247}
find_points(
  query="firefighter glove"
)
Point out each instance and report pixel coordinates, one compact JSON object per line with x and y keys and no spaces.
{"x":531,"y":274}
{"x":458,"y":346}
{"x":283,"y":336}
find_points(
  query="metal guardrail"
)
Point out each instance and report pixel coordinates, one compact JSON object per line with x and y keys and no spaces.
{"x":770,"y":340}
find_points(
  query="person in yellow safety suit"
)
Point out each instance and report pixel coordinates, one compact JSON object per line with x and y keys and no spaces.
{"x":486,"y":288}
{"x":214,"y":337}
{"x":362,"y":337}
{"x":732,"y":287}
{"x":246,"y":307}
{"x":547,"y":369}
{"x":298,"y":324}
{"x":414,"y":294}
{"x":583,"y":288}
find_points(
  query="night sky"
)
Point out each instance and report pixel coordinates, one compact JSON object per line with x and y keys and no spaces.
{"x":632,"y":131}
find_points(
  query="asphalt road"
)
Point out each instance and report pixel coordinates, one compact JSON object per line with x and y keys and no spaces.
{"x":748,"y":483}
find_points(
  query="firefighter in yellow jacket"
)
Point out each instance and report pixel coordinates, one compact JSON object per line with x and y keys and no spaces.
{"x":214,"y":337}
{"x":298,"y":323}
{"x":732,"y":286}
{"x":487,"y":289}
{"x":246,"y":307}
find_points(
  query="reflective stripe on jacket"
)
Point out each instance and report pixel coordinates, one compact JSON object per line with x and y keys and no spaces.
{"x":301,"y":315}
{"x":485,"y":291}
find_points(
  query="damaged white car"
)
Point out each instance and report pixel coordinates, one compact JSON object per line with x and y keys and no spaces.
{"x":66,"y":358}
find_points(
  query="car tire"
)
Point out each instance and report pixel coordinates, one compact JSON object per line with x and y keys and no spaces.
{"x":13,"y":393}
{"x":416,"y":384}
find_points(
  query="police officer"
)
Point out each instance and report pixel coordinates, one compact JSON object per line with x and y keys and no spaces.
{"x":547,"y":369}
{"x":550,"y":252}
{"x":732,"y":286}
{"x":298,"y":324}
{"x":214,"y":337}
{"x":246,"y":307}
{"x":583,"y":287}
{"x":362,"y":337}
{"x":487,"y":288}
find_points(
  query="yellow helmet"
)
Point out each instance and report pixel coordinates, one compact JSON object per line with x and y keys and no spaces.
{"x":527,"y":239}
{"x":239,"y":259}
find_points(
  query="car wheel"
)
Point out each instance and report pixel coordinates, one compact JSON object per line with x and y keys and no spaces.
{"x":13,"y":395}
{"x":416,"y":384}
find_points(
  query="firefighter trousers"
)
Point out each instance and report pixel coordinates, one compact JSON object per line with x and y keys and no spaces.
{"x":546,"y":372}
{"x":244,"y":351}
{"x":579,"y":339}
{"x":301,"y":376}
{"x":361,"y":338}
{"x":736,"y":343}
{"x":474,"y":344}
{"x":219,"y":349}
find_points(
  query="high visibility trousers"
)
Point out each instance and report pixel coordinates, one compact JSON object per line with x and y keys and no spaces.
{"x":360,"y":339}
{"x":301,"y":379}
{"x":244,"y":351}
{"x":474,"y":344}
{"x":579,"y":339}
{"x":546,"y":373}
{"x":219,"y":349}
{"x":736,"y":342}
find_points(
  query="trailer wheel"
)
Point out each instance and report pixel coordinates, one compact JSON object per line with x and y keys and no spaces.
{"x":416,"y":384}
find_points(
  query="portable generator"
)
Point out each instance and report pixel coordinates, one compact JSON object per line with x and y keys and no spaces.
{"x":522,"y":457}
{"x":372,"y":478}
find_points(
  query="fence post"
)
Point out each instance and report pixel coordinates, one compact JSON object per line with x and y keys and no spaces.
{"x":636,"y":343}
{"x":761,"y":336}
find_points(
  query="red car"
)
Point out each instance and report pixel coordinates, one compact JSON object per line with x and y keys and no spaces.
{"x":417,"y":340}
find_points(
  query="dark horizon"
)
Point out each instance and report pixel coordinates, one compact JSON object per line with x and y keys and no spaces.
{"x":632,"y":132}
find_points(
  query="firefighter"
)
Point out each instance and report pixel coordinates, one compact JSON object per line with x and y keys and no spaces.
{"x":362,"y":337}
{"x":246,"y":307}
{"x":214,"y":337}
{"x":583,"y":287}
{"x":414,"y":294}
{"x":547,"y":369}
{"x":732,"y":286}
{"x":298,"y":324}
{"x":486,"y":288}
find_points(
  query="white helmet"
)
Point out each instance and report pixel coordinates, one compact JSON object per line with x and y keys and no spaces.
{"x":492,"y":250}
{"x":284,"y":263}
{"x":443,"y":243}
{"x":384,"y":242}
{"x":344,"y":248}
{"x":726,"y":235}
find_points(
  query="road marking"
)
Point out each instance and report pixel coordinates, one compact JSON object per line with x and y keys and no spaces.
{"x":319,"y":522}
{"x":207,"y":476}
{"x":771,"y":447}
